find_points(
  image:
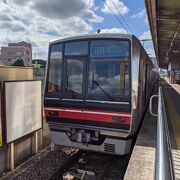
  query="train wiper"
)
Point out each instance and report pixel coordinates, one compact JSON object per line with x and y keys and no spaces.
{"x":102,"y":89}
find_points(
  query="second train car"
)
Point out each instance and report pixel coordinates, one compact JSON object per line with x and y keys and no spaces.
{"x":97,"y":88}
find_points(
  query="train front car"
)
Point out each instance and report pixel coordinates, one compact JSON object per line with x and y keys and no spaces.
{"x":91,"y":92}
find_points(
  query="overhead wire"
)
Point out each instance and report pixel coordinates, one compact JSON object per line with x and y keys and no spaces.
{"x":115,"y":15}
{"x":122,"y":17}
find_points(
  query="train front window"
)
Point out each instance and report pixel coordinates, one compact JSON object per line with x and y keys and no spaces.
{"x":76,"y":48}
{"x":109,"y":69}
{"x":74,"y":77}
{"x":55,"y":68}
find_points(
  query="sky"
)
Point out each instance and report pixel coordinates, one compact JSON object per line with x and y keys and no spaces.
{"x":39,"y":21}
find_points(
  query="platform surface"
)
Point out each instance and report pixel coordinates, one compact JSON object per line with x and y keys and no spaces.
{"x":142,"y":163}
{"x":172,"y":104}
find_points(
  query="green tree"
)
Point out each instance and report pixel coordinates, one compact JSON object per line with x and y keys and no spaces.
{"x":37,"y":70}
{"x":17,"y":62}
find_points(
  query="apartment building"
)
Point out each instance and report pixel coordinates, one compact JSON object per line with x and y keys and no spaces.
{"x":23,"y":50}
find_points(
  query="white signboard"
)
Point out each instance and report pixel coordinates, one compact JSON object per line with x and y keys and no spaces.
{"x":23,"y":108}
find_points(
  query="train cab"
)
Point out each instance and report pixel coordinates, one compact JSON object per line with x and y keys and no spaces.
{"x":96,"y":90}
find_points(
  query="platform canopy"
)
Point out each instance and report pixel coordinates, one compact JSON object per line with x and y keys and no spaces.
{"x":164,"y":20}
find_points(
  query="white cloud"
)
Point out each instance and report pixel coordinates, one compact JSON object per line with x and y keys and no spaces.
{"x":150,"y":52}
{"x":117,"y":6}
{"x":38,"y":22}
{"x":145,"y":35}
{"x":14,"y":26}
{"x":4,"y":1}
{"x":147,"y":43}
{"x":141,"y":15}
{"x":114,"y":30}
{"x":62,"y":9}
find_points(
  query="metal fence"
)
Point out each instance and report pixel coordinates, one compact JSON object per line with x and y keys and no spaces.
{"x":163,"y":165}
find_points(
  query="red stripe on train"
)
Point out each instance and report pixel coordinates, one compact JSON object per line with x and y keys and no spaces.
{"x":90,"y":115}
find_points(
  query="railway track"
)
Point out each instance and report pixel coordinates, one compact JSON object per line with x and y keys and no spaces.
{"x":44,"y":165}
{"x":64,"y":161}
{"x":98,"y":166}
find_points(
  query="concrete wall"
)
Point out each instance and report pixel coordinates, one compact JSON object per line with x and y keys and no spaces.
{"x":23,"y":147}
{"x":10,"y":73}
{"x":3,"y":158}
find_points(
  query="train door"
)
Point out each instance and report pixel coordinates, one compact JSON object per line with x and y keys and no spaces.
{"x":145,"y":93}
{"x":74,"y":77}
{"x":73,"y":88}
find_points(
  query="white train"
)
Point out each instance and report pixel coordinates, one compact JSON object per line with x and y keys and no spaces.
{"x":97,"y":88}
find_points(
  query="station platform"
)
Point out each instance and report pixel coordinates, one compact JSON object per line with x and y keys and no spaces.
{"x":142,"y":162}
{"x":172,"y":102}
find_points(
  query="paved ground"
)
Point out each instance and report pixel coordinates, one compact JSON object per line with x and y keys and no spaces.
{"x":142,"y":162}
{"x":141,"y":165}
{"x":176,"y":87}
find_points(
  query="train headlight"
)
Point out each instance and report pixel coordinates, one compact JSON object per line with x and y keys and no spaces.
{"x":117,"y":119}
{"x":53,"y":113}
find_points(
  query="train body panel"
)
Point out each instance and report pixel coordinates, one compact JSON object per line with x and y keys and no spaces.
{"x":96,"y":91}
{"x":109,"y":145}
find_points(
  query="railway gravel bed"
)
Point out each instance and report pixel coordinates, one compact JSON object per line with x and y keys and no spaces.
{"x":44,"y":165}
{"x":52,"y":165}
{"x":103,"y":166}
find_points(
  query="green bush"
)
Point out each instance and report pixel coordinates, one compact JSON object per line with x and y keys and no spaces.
{"x":17,"y":62}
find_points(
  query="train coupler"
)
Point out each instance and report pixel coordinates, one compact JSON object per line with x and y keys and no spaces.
{"x":83,"y":136}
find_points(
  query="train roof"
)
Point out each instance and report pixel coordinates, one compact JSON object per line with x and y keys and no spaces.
{"x":93,"y":36}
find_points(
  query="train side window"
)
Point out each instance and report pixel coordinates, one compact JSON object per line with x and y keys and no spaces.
{"x":55,"y":68}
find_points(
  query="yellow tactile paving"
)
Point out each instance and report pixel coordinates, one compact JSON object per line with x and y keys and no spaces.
{"x":175,"y":120}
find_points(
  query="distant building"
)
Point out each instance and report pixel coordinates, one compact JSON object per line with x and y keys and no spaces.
{"x":20,"y":50}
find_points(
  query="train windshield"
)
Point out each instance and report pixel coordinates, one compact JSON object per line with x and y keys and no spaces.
{"x":109,"y":69}
{"x":90,"y":69}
